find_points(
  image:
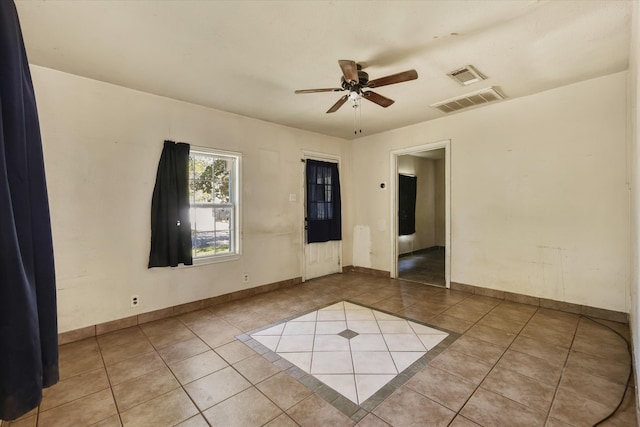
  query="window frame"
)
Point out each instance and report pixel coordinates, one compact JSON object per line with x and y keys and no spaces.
{"x":235,"y":201}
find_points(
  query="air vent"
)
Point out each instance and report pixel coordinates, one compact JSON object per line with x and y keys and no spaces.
{"x":483,"y":96}
{"x":466,"y":75}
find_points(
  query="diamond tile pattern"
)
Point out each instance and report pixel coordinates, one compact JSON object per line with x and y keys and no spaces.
{"x":353,"y":349}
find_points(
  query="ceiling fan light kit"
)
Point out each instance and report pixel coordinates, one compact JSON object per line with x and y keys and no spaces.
{"x":357,"y":82}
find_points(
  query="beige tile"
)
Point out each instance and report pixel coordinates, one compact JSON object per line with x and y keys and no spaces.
{"x":116,"y":325}
{"x":477,"y":348}
{"x":451,"y":323}
{"x":216,"y":332}
{"x":197,"y":366}
{"x":514,"y":311}
{"x":616,"y":354}
{"x":216,"y":387}
{"x":143,"y":388}
{"x":165,"y":410}
{"x":490,"y":409}
{"x":593,"y":331}
{"x":197,"y":421}
{"x":531,"y":366}
{"x":502,"y":323}
{"x":155,"y":315}
{"x":314,"y":411}
{"x":462,"y":365}
{"x":79,"y":357}
{"x":121,"y":337}
{"x":234,"y":352}
{"x":576,"y":410}
{"x":587,"y":364}
{"x":134,"y":367}
{"x":549,"y":335}
{"x":233,"y":411}
{"x":282,"y":421}
{"x":283,"y":390}
{"x":84,"y":411}
{"x":495,"y":336}
{"x":440,"y":386}
{"x":256,"y":368}
{"x":29,"y":421}
{"x":464,"y":312}
{"x":372,"y":421}
{"x":76,"y":335}
{"x":182,"y":350}
{"x":592,"y":387}
{"x":112,"y":421}
{"x":74,"y":388}
{"x":115,"y":354}
{"x":522,"y":389}
{"x":541,"y":349}
{"x":423,"y":411}
{"x":461,"y":421}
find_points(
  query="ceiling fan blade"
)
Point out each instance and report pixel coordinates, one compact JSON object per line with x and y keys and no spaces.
{"x":349,"y":70}
{"x":378,"y":99}
{"x":333,"y":89}
{"x":338,"y":104}
{"x":394,"y":78}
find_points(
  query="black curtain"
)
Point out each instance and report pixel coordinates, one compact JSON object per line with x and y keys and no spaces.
{"x":324,"y":221}
{"x":170,"y":223}
{"x":407,"y":187}
{"x":28,"y":322}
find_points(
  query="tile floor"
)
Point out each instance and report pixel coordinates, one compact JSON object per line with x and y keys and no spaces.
{"x":512,"y":365}
{"x":425,"y":266}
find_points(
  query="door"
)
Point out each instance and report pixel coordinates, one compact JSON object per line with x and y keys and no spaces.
{"x":322,"y":218}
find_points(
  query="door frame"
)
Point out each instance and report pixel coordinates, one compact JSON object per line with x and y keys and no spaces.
{"x":324,"y":157}
{"x":393,"y":183}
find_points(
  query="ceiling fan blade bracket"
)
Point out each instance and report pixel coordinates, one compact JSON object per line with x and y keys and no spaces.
{"x":349,"y":70}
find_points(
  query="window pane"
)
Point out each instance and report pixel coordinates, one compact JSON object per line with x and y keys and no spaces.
{"x":223,"y":242}
{"x":203,"y":243}
{"x":222,"y":171}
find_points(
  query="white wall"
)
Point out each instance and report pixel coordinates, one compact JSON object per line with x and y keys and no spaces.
{"x":102,"y":144}
{"x":440,"y":204}
{"x":539,"y":202}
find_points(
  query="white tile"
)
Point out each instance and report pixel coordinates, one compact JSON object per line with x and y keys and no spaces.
{"x":309,"y":317}
{"x":404,"y":359}
{"x":395,"y":327}
{"x":384,"y":316}
{"x":403,"y":342}
{"x":363,"y":326}
{"x":360,"y":315}
{"x":424,"y":330}
{"x":370,"y":342}
{"x":330,"y":315}
{"x":352,"y":306}
{"x":336,"y":306}
{"x":343,"y":384}
{"x":330,"y":327}
{"x":271,"y":342}
{"x":367,"y":385}
{"x":274,"y":330}
{"x":295,"y":343}
{"x":338,"y":362}
{"x":301,"y":360}
{"x":299,"y":328}
{"x":330,"y":343}
{"x":373,"y":362}
{"x":430,"y":341}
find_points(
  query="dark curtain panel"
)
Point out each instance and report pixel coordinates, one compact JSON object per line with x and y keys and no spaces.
{"x":324,"y":221}
{"x":407,"y":186}
{"x":170,"y":223}
{"x":28,"y":322}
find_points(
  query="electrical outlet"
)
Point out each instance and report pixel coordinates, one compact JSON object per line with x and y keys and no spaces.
{"x":245,"y":278}
{"x":135,"y":300}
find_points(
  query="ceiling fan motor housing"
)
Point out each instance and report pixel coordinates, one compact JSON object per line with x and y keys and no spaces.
{"x":363,"y":79}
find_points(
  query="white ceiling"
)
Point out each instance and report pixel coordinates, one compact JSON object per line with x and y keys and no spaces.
{"x":248,"y":57}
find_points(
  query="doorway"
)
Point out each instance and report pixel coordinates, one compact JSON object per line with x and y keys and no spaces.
{"x":322,"y":214}
{"x":420,"y":212}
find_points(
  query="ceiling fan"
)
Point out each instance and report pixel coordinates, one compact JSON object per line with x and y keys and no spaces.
{"x":356,"y":81}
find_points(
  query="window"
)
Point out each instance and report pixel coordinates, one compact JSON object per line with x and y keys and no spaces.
{"x":213,"y":197}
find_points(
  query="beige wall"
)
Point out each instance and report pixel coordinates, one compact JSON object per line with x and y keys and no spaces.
{"x":539,"y":199}
{"x":423,"y":169}
{"x":102,"y":144}
{"x":439,"y":203}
